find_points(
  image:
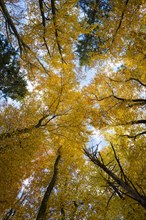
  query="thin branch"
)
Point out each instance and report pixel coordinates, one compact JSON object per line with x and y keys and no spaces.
{"x":141,"y":189}
{"x":9,"y":214}
{"x":53,"y":8}
{"x":133,"y":136}
{"x":119,"y":98}
{"x":39,"y":124}
{"x":130,"y":79}
{"x":62,"y":213}
{"x":115,"y":188}
{"x":44,"y":25}
{"x":119,"y":164}
{"x":120,"y":22}
{"x":101,"y":157}
{"x":12,"y":25}
{"x":110,"y":199}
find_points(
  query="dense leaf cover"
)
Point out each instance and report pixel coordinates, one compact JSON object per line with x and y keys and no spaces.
{"x":12,"y":83}
{"x":70,"y":149}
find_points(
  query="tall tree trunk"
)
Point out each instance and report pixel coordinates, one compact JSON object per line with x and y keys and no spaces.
{"x":130,"y":189}
{"x":43,"y":207}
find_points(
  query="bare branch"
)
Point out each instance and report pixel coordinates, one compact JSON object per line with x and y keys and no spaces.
{"x":110,"y":199}
{"x":101,"y":157}
{"x":115,"y":188}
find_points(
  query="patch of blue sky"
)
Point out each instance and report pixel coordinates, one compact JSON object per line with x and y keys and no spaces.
{"x":106,"y":67}
{"x":19,"y":11}
{"x":97,"y":138}
{"x":25,"y":184}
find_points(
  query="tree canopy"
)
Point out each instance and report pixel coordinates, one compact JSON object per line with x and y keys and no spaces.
{"x":70,"y":149}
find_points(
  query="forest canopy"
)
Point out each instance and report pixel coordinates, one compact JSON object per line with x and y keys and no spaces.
{"x":73,"y":146}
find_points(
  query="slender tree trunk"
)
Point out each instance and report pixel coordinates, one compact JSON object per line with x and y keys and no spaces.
{"x":43,"y":207}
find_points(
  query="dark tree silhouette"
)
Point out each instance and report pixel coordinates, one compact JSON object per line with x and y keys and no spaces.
{"x":12,"y":82}
{"x":91,"y":42}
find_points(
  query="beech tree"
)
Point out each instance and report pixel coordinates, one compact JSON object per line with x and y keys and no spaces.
{"x":117,"y":108}
{"x":49,"y":168}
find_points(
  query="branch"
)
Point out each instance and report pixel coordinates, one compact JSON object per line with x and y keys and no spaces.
{"x":53,"y":8}
{"x":12,"y":25}
{"x":137,"y":80}
{"x":130,"y":79}
{"x":101,"y":158}
{"x":27,"y":129}
{"x":121,"y":99}
{"x":22,"y":44}
{"x":119,"y":164}
{"x":110,"y":198}
{"x":116,"y":190}
{"x":133,"y":136}
{"x":62,"y":213}
{"x":44,"y":25}
{"x":120,"y":22}
{"x":39,"y":124}
{"x":129,"y":190}
{"x":9,"y":214}
{"x":136,"y":122}
{"x":142,"y":121}
{"x":12,"y":211}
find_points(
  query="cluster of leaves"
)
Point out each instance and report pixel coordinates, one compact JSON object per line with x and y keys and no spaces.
{"x":91,"y":42}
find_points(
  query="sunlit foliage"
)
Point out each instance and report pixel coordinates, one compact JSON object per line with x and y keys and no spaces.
{"x":49,"y":168}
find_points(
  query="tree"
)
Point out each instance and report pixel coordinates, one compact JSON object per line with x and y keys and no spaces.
{"x":49,"y":117}
{"x":12,"y":82}
{"x":92,"y":42}
{"x":43,"y":207}
{"x":116,"y":182}
{"x":38,"y":181}
{"x":116,"y":105}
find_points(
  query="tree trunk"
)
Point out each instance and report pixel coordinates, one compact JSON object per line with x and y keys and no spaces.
{"x":130,"y":191}
{"x":43,"y":207}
